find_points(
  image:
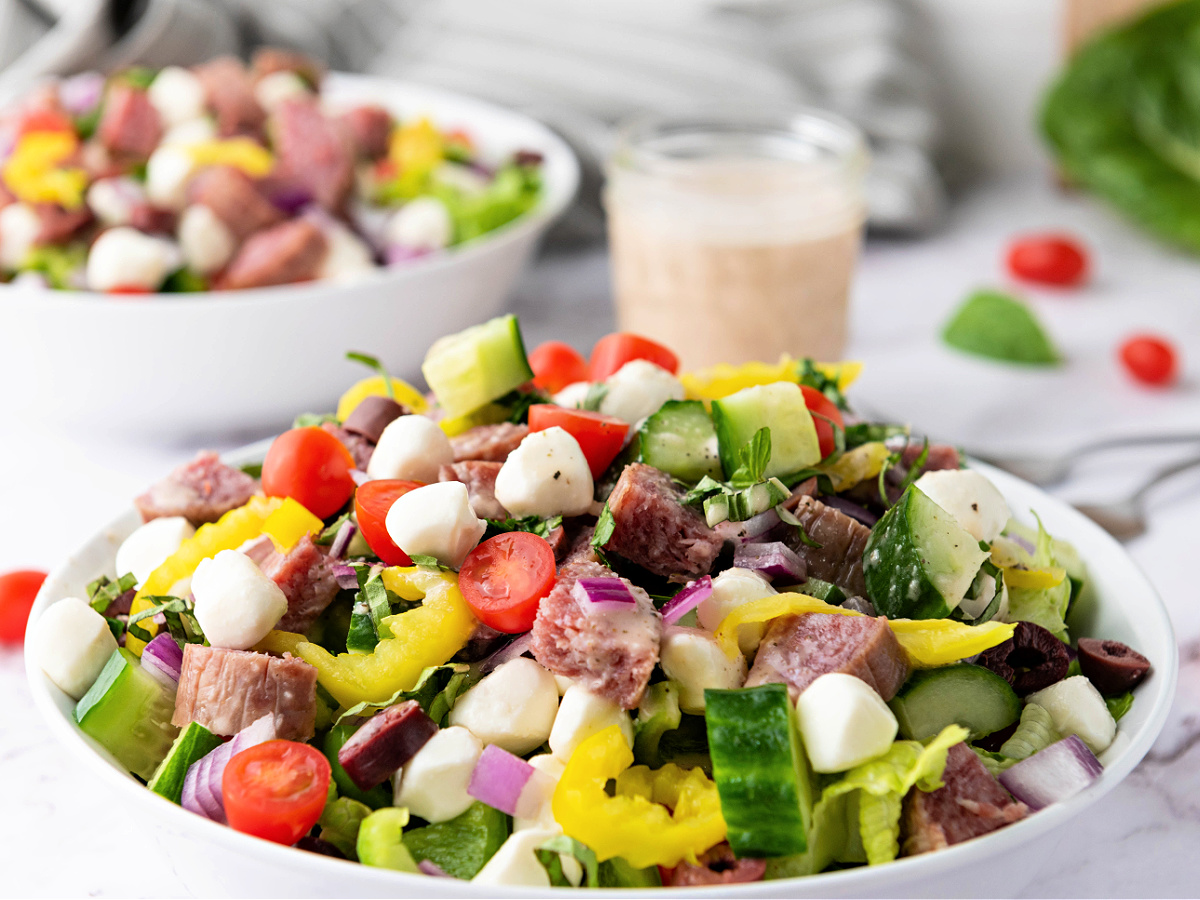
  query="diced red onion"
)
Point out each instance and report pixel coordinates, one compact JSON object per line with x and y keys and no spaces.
{"x":396,"y":254}
{"x":347,"y":578}
{"x":774,"y":559}
{"x":503,"y":781}
{"x":163,"y":658}
{"x":687,"y":599}
{"x":1059,"y":771}
{"x":80,"y":94}
{"x":1023,"y":543}
{"x":603,"y":595}
{"x":852,"y":509}
{"x":289,"y":197}
{"x":202,"y":783}
{"x":341,"y":540}
{"x":360,"y":477}
{"x":429,"y":867}
{"x":511,"y":650}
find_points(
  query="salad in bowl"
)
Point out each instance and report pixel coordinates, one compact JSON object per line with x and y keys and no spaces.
{"x":594,"y":623}
{"x":224,"y":176}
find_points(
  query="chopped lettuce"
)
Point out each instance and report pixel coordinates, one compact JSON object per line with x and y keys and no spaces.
{"x":59,"y":264}
{"x":551,"y":853}
{"x":1042,"y":606}
{"x":340,"y":821}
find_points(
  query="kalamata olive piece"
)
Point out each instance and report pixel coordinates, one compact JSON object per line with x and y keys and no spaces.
{"x":373,"y":415}
{"x":1030,"y":660}
{"x":1111,"y":666}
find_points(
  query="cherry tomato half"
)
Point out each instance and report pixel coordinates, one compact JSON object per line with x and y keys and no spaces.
{"x":821,"y":405}
{"x":276,"y":790}
{"x":311,"y":466}
{"x":555,"y":365}
{"x":371,"y":504}
{"x":504,"y":579}
{"x":17,"y":592}
{"x":43,"y":119}
{"x":614,"y":350}
{"x":600,"y":437}
{"x":1150,"y":359}
{"x":129,"y":289}
{"x":1056,"y":259}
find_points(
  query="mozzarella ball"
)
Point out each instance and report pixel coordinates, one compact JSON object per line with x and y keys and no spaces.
{"x":168,"y":172}
{"x":731,"y":589}
{"x":513,"y":707}
{"x":540,"y":796}
{"x":273,"y":89}
{"x":638,"y":389}
{"x":177,"y":94}
{"x":516,"y":863}
{"x":433,"y":784}
{"x":436,"y":520}
{"x":112,"y":200}
{"x":421,"y":224}
{"x":206,"y":241}
{"x":413,"y":448}
{"x":71,"y":642}
{"x":1076,"y":707}
{"x":236,"y":604}
{"x":193,"y":131}
{"x":573,"y":395}
{"x":347,"y":256}
{"x":582,"y":714}
{"x":19,"y":230}
{"x":691,"y":658}
{"x":124,"y":257}
{"x":547,"y":475}
{"x":970,"y":498}
{"x":844,"y":722}
{"x":150,"y":545}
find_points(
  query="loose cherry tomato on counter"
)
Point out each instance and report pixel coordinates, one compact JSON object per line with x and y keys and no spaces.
{"x":600,"y":437}
{"x":276,"y":790}
{"x":311,"y":466}
{"x":1150,"y":359}
{"x":1055,"y":259}
{"x":555,"y":365}
{"x":614,"y":350}
{"x":504,"y":579}
{"x":821,"y":405}
{"x":372,"y":501}
{"x":17,"y":592}
{"x":128,"y":289}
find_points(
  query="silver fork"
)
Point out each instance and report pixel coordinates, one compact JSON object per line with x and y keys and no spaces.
{"x":1126,"y":519}
{"x":1045,"y":471}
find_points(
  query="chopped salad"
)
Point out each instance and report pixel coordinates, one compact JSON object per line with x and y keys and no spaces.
{"x":593,"y":623}
{"x":222,"y":176}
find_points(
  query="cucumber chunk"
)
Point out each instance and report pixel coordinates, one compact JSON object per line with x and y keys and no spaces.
{"x":919,"y":563}
{"x":461,"y":846}
{"x":193,"y":742}
{"x":822,"y":590}
{"x":779,"y":406}
{"x":680,"y":439}
{"x":971,"y":696}
{"x":760,"y":769}
{"x":470,"y":369}
{"x":129,"y":713}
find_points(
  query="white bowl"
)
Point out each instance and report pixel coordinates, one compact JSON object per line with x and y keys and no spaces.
{"x":184,"y":364}
{"x":214,"y":860}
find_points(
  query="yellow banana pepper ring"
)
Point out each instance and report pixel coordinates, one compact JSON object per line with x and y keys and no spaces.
{"x":33,"y":171}
{"x":635,"y":824}
{"x":373,"y":386}
{"x":427,"y":635}
{"x":1037,"y":579}
{"x":724,"y":379}
{"x":239,"y":152}
{"x":928,"y":642}
{"x":857,"y":465}
{"x":228,"y":533}
{"x":288,"y":524}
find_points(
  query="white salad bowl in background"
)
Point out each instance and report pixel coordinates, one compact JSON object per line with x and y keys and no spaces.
{"x":190,"y":364}
{"x":1120,"y":604}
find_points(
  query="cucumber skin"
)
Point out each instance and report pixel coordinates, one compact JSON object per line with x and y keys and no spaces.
{"x":469,"y":369}
{"x":194,"y":742}
{"x":760,"y":770}
{"x":926,"y":680}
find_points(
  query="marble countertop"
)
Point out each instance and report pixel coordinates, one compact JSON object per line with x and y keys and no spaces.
{"x":1140,"y":840}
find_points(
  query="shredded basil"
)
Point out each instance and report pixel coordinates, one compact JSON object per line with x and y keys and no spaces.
{"x":914,"y":471}
{"x":808,"y":374}
{"x":374,"y":364}
{"x":548,"y":855}
{"x":326,"y":537}
{"x":180,"y":620}
{"x":594,"y":397}
{"x":437,"y":690}
{"x":429,"y":562}
{"x":789,"y":518}
{"x":605,"y":526}
{"x":254,"y":470}
{"x":104,"y":592}
{"x":872,"y":432}
{"x":532,"y":524}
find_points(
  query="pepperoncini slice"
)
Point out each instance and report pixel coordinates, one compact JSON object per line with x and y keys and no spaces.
{"x":288,"y":524}
{"x":724,"y":379}
{"x":374,"y":387}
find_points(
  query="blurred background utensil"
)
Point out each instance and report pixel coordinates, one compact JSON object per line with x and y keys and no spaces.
{"x":1126,"y":519}
{"x":1046,"y":471}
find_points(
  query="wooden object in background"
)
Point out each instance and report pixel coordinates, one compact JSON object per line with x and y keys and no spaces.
{"x":1086,"y":17}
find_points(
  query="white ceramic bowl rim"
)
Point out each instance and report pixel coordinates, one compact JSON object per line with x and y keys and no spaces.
{"x":557,"y":194}
{"x":865,"y":879}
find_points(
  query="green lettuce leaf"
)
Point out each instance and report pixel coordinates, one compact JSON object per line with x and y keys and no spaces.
{"x":551,"y":853}
{"x":1046,"y":606}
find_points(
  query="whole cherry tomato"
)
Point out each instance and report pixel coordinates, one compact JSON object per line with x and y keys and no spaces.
{"x":614,"y":350}
{"x":311,"y":466}
{"x":1055,"y":259}
{"x":555,"y":365}
{"x":1150,"y":359}
{"x":17,"y":592}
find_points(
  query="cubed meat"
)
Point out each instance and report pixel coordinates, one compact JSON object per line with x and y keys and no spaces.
{"x":488,"y":442}
{"x":839,"y":558}
{"x":314,"y":151}
{"x":153,"y":219}
{"x":718,"y":865}
{"x":286,"y":253}
{"x":129,"y":125}
{"x":797,"y":650}
{"x":385,"y":742}
{"x":611,"y":654}
{"x":359,"y":447}
{"x":970,"y":803}
{"x":306,"y":577}
{"x":234,"y":199}
{"x":369,"y":128}
{"x":226,"y":690}
{"x":59,"y":225}
{"x":229,"y":93}
{"x":201,"y":491}
{"x":653,"y":528}
{"x":269,"y":60}
{"x":941,"y":456}
{"x":480,"y":478}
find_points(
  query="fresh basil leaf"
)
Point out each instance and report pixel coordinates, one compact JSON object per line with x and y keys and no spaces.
{"x":705,"y":488}
{"x":532,"y":524}
{"x":914,"y":471}
{"x":254,"y":470}
{"x":180,"y":621}
{"x":1118,"y":706}
{"x":872,"y":432}
{"x":808,"y":374}
{"x":377,"y":367}
{"x":548,"y":856}
{"x":605,"y":526}
{"x":752,"y":460}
